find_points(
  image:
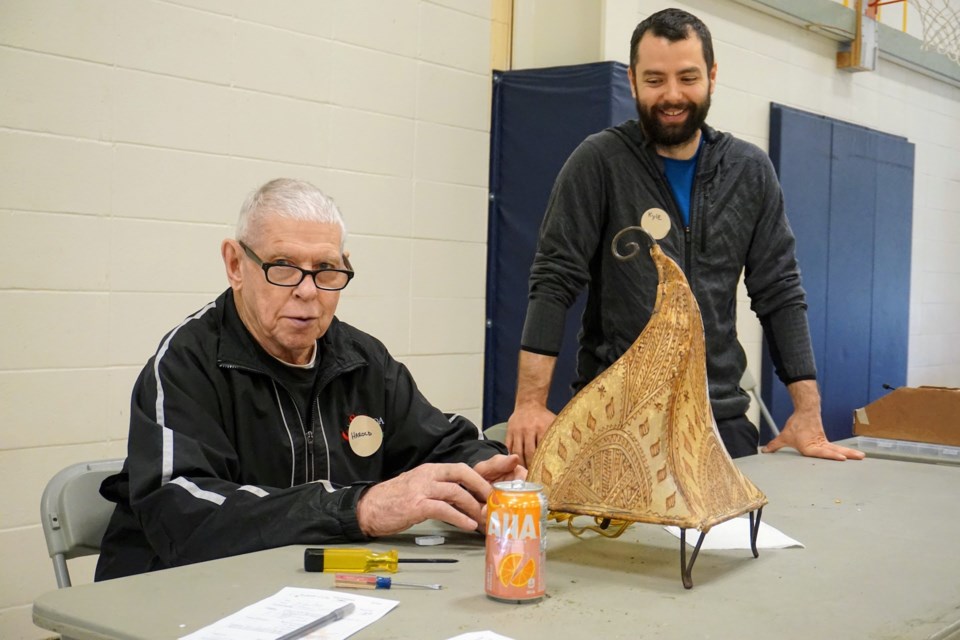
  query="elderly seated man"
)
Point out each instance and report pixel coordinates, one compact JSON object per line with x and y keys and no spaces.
{"x":262,"y":420}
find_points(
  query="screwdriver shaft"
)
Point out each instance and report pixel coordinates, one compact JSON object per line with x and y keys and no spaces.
{"x":368,"y":581}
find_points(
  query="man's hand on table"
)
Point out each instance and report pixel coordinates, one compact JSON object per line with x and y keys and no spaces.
{"x":452,"y":493}
{"x":804,"y":432}
{"x":804,"y":428}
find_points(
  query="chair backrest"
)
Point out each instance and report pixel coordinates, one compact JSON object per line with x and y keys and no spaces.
{"x":497,"y":432}
{"x":74,"y":514}
{"x":749,"y":384}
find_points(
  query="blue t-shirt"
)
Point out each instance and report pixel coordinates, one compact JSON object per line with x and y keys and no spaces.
{"x":680,"y":175}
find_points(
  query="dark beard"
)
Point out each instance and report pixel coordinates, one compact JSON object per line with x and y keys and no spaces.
{"x":673,"y":135}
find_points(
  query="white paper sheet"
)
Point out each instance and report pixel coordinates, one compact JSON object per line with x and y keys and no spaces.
{"x":735,"y":534}
{"x":480,"y":635}
{"x":291,"y":608}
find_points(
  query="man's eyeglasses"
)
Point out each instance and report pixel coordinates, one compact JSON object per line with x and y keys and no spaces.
{"x":288,"y":275}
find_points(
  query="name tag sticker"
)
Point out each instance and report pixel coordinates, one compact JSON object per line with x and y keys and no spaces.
{"x":365,"y":435}
{"x":656,"y":222}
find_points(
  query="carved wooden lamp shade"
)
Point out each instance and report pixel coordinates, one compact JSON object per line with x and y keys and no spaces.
{"x":639,"y":442}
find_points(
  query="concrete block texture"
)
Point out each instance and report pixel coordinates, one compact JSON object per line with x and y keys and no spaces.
{"x":53,"y":173}
{"x":52,"y":330}
{"x":385,"y":316}
{"x":280,"y":62}
{"x":447,"y":381}
{"x":452,"y":97}
{"x":452,"y":154}
{"x":372,"y":204}
{"x":352,"y":70}
{"x":187,"y":186}
{"x":431,"y":318}
{"x":35,"y":26}
{"x":445,"y":211}
{"x":170,"y":256}
{"x":130,"y":134}
{"x":174,"y":40}
{"x":76,"y":408}
{"x":80,"y":241}
{"x":311,"y":18}
{"x":452,"y":38}
{"x":448,"y":270}
{"x":51,"y":94}
{"x":386,"y":26}
{"x":368,"y":142}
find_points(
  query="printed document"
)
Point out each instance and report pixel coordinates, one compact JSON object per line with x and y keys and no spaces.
{"x":291,"y":608}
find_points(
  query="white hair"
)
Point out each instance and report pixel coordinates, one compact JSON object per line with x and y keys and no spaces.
{"x":294,"y":199}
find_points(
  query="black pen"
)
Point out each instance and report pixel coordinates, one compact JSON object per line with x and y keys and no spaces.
{"x":333,"y":616}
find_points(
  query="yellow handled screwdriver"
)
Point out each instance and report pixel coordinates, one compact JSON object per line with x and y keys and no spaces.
{"x":358,"y":560}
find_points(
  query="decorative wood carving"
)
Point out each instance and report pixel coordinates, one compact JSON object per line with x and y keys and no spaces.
{"x":639,"y":443}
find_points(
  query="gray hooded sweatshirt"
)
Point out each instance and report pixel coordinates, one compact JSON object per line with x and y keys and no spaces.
{"x":737,"y":222}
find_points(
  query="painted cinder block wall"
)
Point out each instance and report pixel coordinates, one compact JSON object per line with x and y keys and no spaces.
{"x":130,"y":133}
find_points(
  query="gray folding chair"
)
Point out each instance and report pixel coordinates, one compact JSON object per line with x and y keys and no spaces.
{"x":497,"y":432}
{"x":748,"y":384}
{"x":74,"y":514}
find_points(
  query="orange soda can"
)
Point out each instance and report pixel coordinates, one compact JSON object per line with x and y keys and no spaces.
{"x":516,"y":542}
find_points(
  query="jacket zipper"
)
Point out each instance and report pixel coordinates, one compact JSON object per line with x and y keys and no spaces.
{"x":326,"y":443}
{"x":688,"y":230}
{"x":308,"y":472}
{"x":308,"y":435}
{"x":677,"y":215}
{"x":311,"y":472}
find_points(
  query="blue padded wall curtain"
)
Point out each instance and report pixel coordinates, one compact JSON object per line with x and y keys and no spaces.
{"x":849,"y":198}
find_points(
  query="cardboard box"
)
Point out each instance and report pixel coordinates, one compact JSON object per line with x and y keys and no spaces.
{"x":919,"y":414}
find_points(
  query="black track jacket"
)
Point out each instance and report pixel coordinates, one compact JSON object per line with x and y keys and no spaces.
{"x":220,"y":461}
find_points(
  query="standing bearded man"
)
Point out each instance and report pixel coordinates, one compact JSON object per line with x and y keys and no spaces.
{"x":726,"y":214}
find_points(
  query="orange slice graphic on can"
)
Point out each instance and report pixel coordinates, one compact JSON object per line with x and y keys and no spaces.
{"x":523,"y":576}
{"x":508,"y":567}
